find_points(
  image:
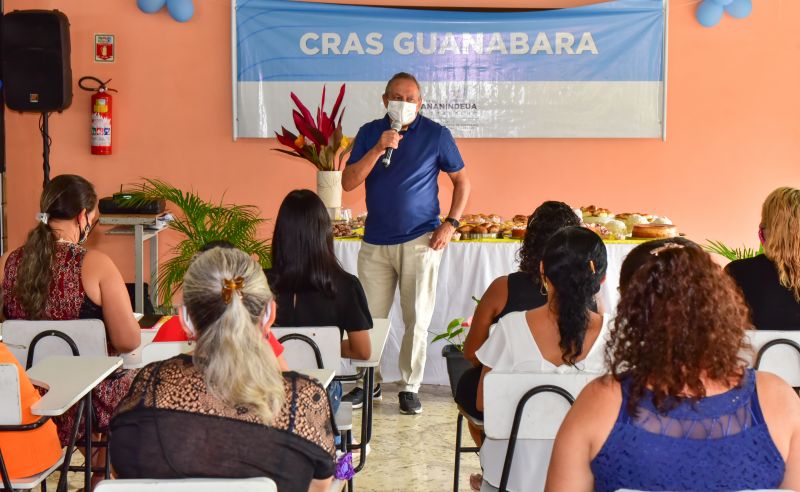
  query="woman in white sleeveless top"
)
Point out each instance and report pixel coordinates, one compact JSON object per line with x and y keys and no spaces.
{"x":564,"y":336}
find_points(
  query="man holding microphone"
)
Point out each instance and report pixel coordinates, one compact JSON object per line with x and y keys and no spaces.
{"x":399,"y":158}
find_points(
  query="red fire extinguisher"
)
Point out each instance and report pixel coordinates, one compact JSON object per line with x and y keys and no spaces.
{"x":101,"y":115}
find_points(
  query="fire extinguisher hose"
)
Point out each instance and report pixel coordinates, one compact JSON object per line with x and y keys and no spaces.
{"x":100,"y":84}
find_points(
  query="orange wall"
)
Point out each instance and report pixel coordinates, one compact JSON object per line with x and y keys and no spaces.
{"x":733,"y":127}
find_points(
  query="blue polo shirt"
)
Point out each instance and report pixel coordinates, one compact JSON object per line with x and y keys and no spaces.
{"x":403,"y":199}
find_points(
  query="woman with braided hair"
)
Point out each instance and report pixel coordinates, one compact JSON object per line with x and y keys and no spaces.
{"x":564,"y":335}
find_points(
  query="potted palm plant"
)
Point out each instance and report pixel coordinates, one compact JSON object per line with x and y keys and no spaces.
{"x":732,"y":254}
{"x":200,"y":222}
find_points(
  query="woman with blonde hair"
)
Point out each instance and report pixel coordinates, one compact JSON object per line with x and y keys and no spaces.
{"x":770,"y":282}
{"x":227,"y":410}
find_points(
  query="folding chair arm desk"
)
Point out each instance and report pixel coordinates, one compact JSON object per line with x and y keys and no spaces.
{"x":69,"y":380}
{"x":378,"y":336}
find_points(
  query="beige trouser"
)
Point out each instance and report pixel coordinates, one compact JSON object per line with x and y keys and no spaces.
{"x":416,"y":266}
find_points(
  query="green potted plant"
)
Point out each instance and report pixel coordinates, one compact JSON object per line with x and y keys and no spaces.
{"x":732,"y":254}
{"x":453,"y":351}
{"x":199,"y":222}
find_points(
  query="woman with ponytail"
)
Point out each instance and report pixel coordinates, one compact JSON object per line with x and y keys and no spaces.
{"x":226,"y":410}
{"x":564,"y":335}
{"x":53,"y":277}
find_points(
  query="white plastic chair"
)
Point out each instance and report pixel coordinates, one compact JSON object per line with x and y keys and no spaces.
{"x":318,"y":347}
{"x":259,"y":484}
{"x":324,"y":353}
{"x":527,"y":406}
{"x":777,"y":352}
{"x":87,"y":335}
{"x":11,"y":420}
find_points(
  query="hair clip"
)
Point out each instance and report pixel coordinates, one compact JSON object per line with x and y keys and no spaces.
{"x":665,"y":247}
{"x":591,"y":266}
{"x":230,"y":286}
{"x":43,"y":217}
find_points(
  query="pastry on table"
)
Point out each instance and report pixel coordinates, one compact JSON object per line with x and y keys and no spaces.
{"x":654,"y":231}
{"x":617,"y":228}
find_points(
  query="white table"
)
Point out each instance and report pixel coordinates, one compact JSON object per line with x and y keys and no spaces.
{"x":70,"y":379}
{"x":378,"y":336}
{"x":324,"y":376}
{"x":466,"y":270}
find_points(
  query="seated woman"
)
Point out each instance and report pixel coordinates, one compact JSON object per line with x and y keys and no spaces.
{"x":27,"y":453}
{"x":170,"y":331}
{"x":770,"y":282}
{"x":680,"y":409}
{"x":53,"y":277}
{"x":226,"y":410}
{"x":563,"y":336}
{"x":519,"y":291}
{"x":311,"y":288}
{"x":641,"y":253}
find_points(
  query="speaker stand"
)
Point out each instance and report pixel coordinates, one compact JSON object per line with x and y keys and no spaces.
{"x":46,"y":141}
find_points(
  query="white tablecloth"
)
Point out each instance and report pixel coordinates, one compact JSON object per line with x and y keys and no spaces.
{"x":467,"y":269}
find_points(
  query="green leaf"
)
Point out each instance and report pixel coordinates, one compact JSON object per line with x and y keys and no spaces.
{"x":440,"y":336}
{"x":199,"y":222}
{"x":732,"y":254}
{"x":456,"y":322}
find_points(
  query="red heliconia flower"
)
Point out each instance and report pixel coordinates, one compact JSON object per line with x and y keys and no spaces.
{"x":321,"y":132}
{"x":287,"y":138}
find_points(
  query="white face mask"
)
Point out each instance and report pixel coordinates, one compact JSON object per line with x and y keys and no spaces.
{"x":402,"y":111}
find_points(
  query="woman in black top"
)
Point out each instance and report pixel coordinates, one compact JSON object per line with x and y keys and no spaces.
{"x":771,"y":282}
{"x":519,"y":291}
{"x":311,"y":288}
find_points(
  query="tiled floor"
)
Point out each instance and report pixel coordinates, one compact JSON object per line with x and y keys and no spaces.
{"x":408,"y":453}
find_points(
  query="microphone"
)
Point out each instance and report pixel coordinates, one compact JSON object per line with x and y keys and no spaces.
{"x":387,"y":157}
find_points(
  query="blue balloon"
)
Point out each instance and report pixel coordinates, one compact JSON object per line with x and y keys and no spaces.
{"x":709,"y":13}
{"x":150,"y":6}
{"x":739,"y":8}
{"x":722,"y":3}
{"x":180,"y":10}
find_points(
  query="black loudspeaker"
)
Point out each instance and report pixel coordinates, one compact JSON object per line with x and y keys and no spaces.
{"x":36,"y":60}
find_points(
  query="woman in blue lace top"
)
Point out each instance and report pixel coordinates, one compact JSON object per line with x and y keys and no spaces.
{"x":680,"y":409}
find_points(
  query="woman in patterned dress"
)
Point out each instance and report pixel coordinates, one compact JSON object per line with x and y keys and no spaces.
{"x":53,"y":277}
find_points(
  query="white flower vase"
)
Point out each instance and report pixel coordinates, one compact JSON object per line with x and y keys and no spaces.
{"x":329,"y":188}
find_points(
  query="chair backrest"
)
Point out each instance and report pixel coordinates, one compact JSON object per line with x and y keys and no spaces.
{"x":10,"y":403}
{"x":259,"y":484}
{"x":89,"y":336}
{"x":154,"y":352}
{"x":777,"y":352}
{"x":299,"y":352}
{"x":544,"y":411}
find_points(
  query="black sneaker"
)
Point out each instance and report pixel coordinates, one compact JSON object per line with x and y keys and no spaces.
{"x":356,"y":397}
{"x":409,"y":403}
